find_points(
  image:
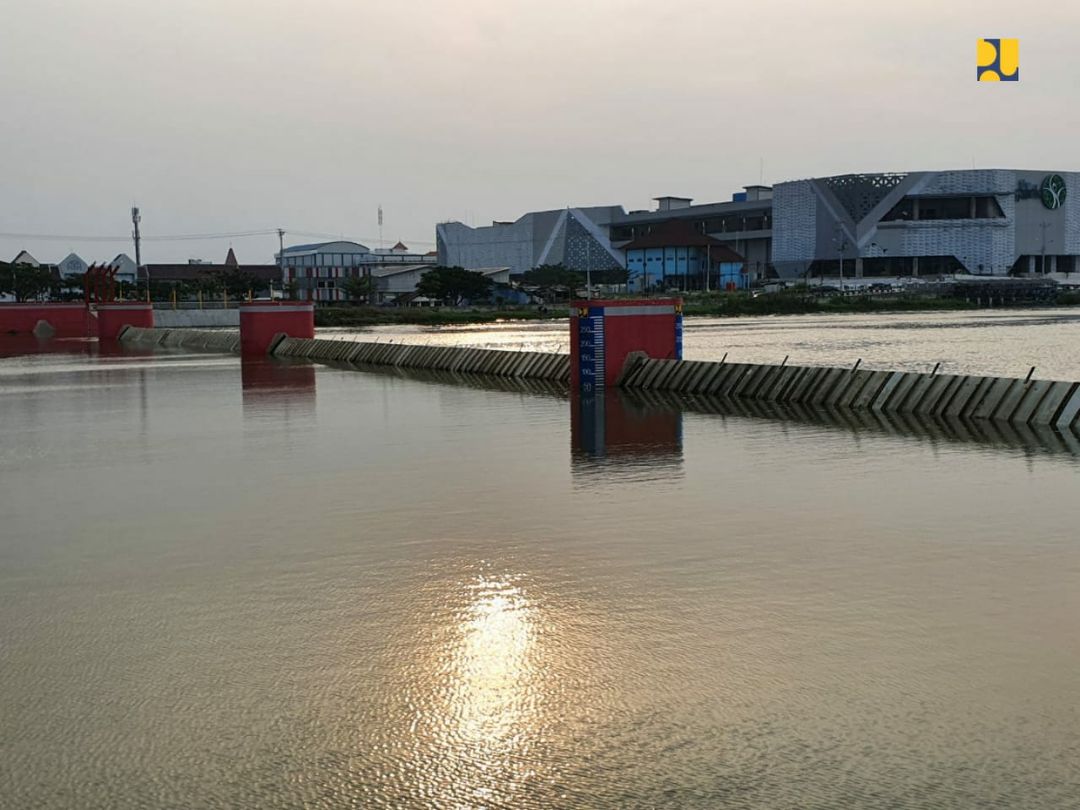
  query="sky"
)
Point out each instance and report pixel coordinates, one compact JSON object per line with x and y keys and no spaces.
{"x":233,"y":116}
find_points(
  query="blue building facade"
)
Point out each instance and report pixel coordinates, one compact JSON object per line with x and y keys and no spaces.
{"x":676,"y":256}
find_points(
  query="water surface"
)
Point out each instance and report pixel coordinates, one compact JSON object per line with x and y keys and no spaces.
{"x":279,"y":586}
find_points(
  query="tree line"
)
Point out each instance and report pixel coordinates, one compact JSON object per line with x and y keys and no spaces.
{"x":29,"y":283}
{"x":447,"y":285}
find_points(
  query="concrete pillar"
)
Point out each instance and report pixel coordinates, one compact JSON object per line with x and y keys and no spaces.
{"x":260,"y":322}
{"x":112,"y":318}
{"x":604,"y":333}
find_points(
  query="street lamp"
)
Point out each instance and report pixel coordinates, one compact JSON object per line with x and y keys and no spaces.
{"x":841,"y":246}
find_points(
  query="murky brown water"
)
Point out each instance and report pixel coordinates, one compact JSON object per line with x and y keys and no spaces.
{"x":266,"y":586}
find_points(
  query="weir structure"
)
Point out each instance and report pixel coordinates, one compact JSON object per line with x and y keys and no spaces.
{"x":637,"y":346}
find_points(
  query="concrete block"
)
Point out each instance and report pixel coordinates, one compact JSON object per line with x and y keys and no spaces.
{"x":839,"y":388}
{"x":785,"y":392}
{"x":966,"y":389}
{"x":701,"y":370}
{"x":791,"y":394}
{"x":757,"y":377}
{"x":679,"y":375}
{"x":784,"y":374}
{"x":1011,"y":401}
{"x":712,"y":372}
{"x":460,"y":360}
{"x":750,"y":377}
{"x":991,"y":398}
{"x":650,"y":368}
{"x":806,"y":382}
{"x":525,"y":361}
{"x":1034,"y":396}
{"x":718,"y":383}
{"x":533,"y":369}
{"x":763,"y":379}
{"x":698,"y":369}
{"x":770,"y":391}
{"x":740,"y":373}
{"x":948,"y":393}
{"x":869,"y":393}
{"x":928,"y":398}
{"x":1069,"y":412}
{"x":632,"y":364}
{"x":846,"y":393}
{"x":891,"y":387}
{"x":667,"y":370}
{"x":826,"y":383}
{"x":563,"y":370}
{"x":976,"y":399}
{"x":910,"y":392}
{"x":1052,"y":403}
{"x":509,"y":361}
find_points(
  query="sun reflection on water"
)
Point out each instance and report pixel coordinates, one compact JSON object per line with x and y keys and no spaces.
{"x":484,"y":712}
{"x":492,"y":666}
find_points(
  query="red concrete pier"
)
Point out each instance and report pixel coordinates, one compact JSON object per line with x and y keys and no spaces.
{"x":261,"y":322}
{"x":603,"y":333}
{"x":112,"y":318}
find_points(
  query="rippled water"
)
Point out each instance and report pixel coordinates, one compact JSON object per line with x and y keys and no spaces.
{"x":279,"y":586}
{"x":1001,"y":342}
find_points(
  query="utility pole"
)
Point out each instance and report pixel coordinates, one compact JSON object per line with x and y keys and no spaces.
{"x":380,"y":227}
{"x":281,"y":262}
{"x":136,"y":218}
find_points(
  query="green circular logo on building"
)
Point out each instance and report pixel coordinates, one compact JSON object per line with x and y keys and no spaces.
{"x":1053,"y":191}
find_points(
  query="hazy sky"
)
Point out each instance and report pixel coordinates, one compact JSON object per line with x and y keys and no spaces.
{"x":236,"y":115}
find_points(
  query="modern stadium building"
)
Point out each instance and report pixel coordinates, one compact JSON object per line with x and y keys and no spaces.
{"x":881,"y":227}
{"x":992,"y":222}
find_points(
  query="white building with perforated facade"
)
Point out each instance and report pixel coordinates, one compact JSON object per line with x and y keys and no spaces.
{"x":978,"y":221}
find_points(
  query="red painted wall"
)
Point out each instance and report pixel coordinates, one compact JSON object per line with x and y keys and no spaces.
{"x":655,"y":334}
{"x":112,"y":318}
{"x":68,"y":319}
{"x":260,"y":322}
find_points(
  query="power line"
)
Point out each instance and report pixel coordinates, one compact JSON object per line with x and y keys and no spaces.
{"x":57,"y":237}
{"x":190,"y":237}
{"x":346,"y":237}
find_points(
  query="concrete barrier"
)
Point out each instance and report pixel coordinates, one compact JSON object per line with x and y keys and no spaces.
{"x":197,"y":318}
{"x":959,"y":398}
{"x":1030,"y":438}
{"x":452,"y":359}
{"x":224,"y":341}
{"x":890,"y":396}
{"x":62,"y":320}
